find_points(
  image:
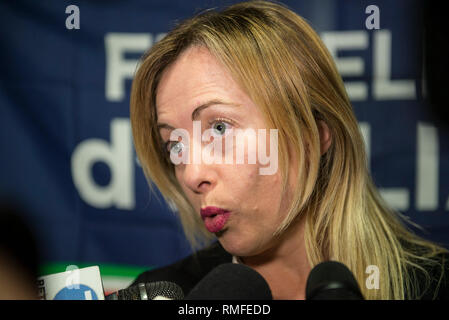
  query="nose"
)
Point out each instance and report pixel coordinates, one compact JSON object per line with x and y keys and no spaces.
{"x":200,"y":178}
{"x":197,"y":175}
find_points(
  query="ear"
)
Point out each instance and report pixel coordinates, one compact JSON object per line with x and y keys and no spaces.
{"x":325,"y":136}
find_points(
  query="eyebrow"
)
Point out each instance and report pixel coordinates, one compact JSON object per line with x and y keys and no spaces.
{"x":197,"y":111}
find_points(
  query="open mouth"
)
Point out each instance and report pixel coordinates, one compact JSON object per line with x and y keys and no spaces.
{"x":214,"y":218}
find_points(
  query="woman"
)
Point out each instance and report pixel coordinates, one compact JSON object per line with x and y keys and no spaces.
{"x":258,"y":65}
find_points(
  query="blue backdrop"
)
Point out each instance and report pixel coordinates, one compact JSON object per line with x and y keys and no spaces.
{"x":66,"y":145}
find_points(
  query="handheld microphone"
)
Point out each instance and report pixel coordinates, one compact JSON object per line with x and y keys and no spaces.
{"x":231,"y":281}
{"x":74,"y":284}
{"x":161,"y":290}
{"x":332,"y":280}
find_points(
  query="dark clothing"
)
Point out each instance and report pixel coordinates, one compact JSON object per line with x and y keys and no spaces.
{"x":188,"y":272}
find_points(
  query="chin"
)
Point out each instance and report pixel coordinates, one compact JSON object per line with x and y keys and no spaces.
{"x":237,"y":246}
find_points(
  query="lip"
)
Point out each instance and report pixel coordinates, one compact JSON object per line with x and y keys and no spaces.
{"x":214,"y":218}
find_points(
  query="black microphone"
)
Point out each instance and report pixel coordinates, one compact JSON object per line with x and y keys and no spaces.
{"x":332,"y":280}
{"x":161,"y":290}
{"x":231,"y":281}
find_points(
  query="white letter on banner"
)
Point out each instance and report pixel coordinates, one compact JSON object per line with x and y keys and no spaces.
{"x":118,"y":69}
{"x":118,"y":155}
{"x":349,"y":66}
{"x":383,"y":87}
{"x":427,"y":165}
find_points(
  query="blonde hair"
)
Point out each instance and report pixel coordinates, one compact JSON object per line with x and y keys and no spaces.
{"x":282,"y":64}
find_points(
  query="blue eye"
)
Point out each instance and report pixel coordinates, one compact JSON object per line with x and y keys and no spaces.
{"x":174,"y":146}
{"x":177,"y":147}
{"x":220,"y":127}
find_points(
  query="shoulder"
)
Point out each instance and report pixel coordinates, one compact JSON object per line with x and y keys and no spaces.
{"x":189,"y":271}
{"x":436,"y":286}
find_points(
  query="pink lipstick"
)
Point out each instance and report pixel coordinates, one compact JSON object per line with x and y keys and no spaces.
{"x":214,"y":218}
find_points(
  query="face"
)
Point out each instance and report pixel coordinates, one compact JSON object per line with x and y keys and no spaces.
{"x":252,"y":202}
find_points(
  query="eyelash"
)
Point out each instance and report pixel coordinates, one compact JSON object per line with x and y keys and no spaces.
{"x":225,"y":120}
{"x":210,"y":123}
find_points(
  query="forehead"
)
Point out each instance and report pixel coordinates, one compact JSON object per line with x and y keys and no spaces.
{"x":195,"y":77}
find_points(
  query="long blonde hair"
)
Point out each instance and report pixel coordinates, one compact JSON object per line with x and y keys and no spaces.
{"x":282,"y":64}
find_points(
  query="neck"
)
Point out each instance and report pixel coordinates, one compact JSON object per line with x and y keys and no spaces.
{"x":285,"y":265}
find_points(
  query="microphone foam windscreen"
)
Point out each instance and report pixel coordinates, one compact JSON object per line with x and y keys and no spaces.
{"x":231,"y":282}
{"x":164,"y":289}
{"x":332,"y":280}
{"x":161,"y":290}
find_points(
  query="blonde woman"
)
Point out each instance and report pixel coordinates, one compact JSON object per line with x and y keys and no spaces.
{"x":259,"y":66}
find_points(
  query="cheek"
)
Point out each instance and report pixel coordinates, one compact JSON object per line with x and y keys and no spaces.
{"x":270,"y":198}
{"x":179,"y":178}
{"x":255,"y":190}
{"x":241,"y":175}
{"x":271,"y":189}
